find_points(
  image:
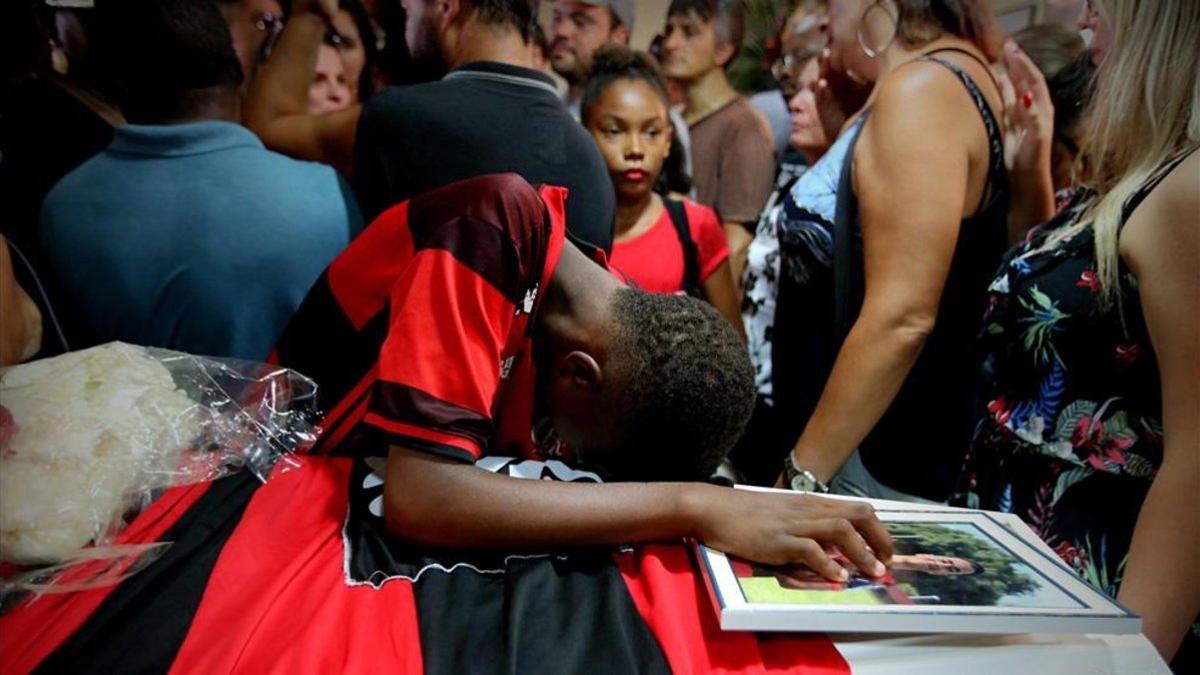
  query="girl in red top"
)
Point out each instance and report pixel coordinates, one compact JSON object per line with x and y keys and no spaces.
{"x":664,"y":246}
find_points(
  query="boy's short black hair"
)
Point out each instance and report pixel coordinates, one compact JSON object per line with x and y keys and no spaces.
{"x":727,"y":16}
{"x":614,"y":62}
{"x":688,"y":387}
{"x":164,"y":51}
{"x":520,"y":14}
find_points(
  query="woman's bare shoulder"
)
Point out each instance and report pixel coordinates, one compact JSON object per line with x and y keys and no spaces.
{"x":1168,"y":219}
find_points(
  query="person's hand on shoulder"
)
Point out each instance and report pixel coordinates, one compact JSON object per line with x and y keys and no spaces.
{"x":777,"y":528}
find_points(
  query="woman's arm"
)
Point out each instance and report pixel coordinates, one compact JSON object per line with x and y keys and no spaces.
{"x":276,"y":105}
{"x":911,"y":168}
{"x":1162,"y":244}
{"x":721,"y":292}
{"x":432,"y":501}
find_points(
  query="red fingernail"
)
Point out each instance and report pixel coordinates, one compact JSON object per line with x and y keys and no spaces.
{"x":1027,"y":99}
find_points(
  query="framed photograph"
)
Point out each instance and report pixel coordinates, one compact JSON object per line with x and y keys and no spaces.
{"x":953,"y":571}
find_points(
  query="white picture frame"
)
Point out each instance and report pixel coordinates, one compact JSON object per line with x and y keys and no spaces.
{"x":1030,"y":589}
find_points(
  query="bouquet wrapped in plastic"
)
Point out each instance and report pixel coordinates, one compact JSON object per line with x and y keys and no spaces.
{"x":89,"y":438}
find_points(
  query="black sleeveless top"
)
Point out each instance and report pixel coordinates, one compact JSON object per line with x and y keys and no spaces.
{"x":919,"y":444}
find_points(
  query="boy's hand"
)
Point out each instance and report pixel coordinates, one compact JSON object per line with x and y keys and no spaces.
{"x":778,"y":528}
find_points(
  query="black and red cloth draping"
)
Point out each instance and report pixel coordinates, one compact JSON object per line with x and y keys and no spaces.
{"x":297,"y":576}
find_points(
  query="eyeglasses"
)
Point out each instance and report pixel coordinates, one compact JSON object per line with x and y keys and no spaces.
{"x":787,"y":69}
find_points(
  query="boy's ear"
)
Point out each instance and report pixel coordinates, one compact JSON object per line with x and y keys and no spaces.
{"x":724,"y":53}
{"x":583,"y":370}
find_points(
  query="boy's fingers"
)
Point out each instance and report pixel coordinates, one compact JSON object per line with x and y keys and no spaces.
{"x":862,"y":516}
{"x":809,"y":552}
{"x":843,"y":534}
{"x":873,"y":530}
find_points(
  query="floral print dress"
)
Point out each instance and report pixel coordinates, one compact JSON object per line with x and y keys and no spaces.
{"x":1072,"y":433}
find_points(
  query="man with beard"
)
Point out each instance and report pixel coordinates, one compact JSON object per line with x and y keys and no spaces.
{"x":482,"y":109}
{"x":580,"y":28}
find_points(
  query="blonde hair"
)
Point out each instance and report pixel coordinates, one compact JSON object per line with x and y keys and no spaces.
{"x":1144,"y":112}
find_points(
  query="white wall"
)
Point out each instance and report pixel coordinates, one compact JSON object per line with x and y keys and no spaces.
{"x":652,"y":15}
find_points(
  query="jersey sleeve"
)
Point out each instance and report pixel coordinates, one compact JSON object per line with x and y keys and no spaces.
{"x":712,"y":247}
{"x":439,"y":367}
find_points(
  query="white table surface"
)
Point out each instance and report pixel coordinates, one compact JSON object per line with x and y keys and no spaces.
{"x":985,"y":654}
{"x":1031,"y":654}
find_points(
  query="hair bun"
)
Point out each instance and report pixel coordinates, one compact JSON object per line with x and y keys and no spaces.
{"x":617,"y":59}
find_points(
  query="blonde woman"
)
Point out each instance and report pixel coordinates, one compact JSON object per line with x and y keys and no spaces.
{"x":1092,"y":382}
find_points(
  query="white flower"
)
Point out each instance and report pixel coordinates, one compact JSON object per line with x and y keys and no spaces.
{"x":93,"y":428}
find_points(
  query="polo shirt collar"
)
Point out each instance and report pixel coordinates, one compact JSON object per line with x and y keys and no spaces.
{"x":507,"y":70}
{"x":174,"y":140}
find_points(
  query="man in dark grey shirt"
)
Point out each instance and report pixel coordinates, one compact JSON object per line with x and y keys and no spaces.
{"x":490,"y":113}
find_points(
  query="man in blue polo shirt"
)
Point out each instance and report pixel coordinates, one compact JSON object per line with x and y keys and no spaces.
{"x":186,"y":232}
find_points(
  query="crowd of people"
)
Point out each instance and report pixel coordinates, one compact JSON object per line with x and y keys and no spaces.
{"x":968,"y":279}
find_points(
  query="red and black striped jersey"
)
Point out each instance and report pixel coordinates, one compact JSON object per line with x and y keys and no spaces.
{"x":419,"y":334}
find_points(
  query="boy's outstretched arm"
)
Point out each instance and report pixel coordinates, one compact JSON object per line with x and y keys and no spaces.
{"x":441,"y":503}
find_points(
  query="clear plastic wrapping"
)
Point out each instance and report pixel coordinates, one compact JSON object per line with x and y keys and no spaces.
{"x":90,"y":438}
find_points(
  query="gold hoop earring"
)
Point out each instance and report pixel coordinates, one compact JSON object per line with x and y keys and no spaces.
{"x":862,"y":42}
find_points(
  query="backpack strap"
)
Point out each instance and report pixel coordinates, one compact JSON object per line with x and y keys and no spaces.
{"x":691,"y":256}
{"x":845,"y":223}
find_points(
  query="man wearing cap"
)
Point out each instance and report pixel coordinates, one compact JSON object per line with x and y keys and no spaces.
{"x":580,"y":28}
{"x":583,"y":26}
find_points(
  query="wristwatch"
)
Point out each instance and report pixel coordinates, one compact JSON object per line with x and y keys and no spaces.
{"x":801,"y":480}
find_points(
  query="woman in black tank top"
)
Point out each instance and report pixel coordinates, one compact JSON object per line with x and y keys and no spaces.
{"x":921,"y":226}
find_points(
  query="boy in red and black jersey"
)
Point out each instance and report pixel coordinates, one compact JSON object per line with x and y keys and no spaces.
{"x":462,"y":320}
